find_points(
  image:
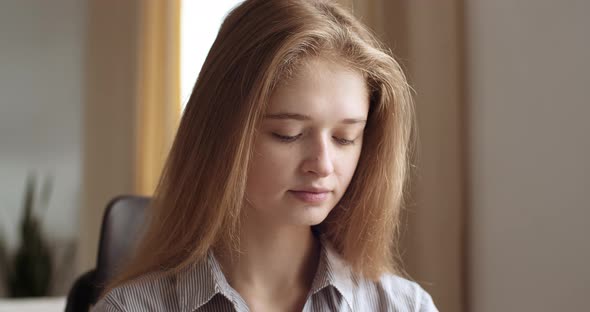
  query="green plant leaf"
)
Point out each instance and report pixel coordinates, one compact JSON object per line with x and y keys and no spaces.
{"x":30,"y":273}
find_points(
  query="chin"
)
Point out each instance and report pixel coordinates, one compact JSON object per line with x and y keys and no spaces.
{"x":311,"y":216}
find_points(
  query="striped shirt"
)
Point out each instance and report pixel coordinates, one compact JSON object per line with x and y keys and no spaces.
{"x":202,"y":287}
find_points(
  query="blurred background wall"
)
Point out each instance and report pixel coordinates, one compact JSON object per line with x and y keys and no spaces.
{"x":42,"y":82}
{"x":110,"y":114}
{"x":498,"y":215}
{"x":529,"y":151}
{"x":68,"y":108}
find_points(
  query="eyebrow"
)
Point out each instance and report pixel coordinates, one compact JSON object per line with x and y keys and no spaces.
{"x":283,"y":116}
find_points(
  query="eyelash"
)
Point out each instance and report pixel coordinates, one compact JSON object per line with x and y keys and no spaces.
{"x":289,"y":139}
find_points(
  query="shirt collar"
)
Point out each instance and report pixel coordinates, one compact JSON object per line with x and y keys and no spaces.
{"x":201,"y":282}
{"x":333,"y":271}
{"x":204,"y":279}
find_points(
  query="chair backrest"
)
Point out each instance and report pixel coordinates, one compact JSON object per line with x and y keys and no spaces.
{"x":123,"y":223}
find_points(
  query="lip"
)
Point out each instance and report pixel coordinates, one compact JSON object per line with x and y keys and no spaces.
{"x":313,"y":190}
{"x":315,"y":196}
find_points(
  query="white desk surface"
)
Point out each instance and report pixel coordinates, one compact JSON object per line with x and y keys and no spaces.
{"x":49,"y":304}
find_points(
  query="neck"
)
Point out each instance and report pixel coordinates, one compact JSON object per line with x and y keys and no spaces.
{"x":274,"y":260}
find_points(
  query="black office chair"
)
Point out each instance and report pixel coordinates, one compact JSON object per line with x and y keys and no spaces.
{"x":121,"y":226}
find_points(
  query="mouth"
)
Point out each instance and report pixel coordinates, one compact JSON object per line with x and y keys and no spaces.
{"x":315,"y":196}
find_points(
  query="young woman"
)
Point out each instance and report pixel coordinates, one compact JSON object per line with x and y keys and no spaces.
{"x":284,"y":184}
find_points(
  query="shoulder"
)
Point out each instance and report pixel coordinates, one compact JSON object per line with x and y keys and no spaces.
{"x":408,"y":292}
{"x":153,"y":292}
{"x":392,"y":292}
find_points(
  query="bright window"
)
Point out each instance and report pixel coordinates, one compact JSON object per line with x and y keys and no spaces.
{"x":200,"y":22}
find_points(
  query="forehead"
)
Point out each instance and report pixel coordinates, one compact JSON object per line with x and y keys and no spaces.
{"x":322,"y":89}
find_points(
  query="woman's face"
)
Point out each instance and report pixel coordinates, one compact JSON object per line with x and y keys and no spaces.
{"x":308,"y":145}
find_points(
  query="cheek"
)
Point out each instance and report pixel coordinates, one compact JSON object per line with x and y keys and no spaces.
{"x":270,"y":169}
{"x":347,"y":167}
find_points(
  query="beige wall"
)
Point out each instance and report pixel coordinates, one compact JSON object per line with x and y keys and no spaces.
{"x":530,"y":151}
{"x":436,"y":223}
{"x":110,"y":93}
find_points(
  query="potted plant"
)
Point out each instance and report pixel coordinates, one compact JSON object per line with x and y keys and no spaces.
{"x":27,"y":273}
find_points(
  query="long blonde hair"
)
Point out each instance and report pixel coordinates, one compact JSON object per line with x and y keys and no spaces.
{"x":261,"y":44}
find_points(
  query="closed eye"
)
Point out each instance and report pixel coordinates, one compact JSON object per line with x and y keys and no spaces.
{"x":286,"y":138}
{"x":342,"y":141}
{"x":289,"y":139}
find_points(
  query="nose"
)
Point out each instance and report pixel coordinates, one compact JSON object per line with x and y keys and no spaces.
{"x":318,"y":159}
